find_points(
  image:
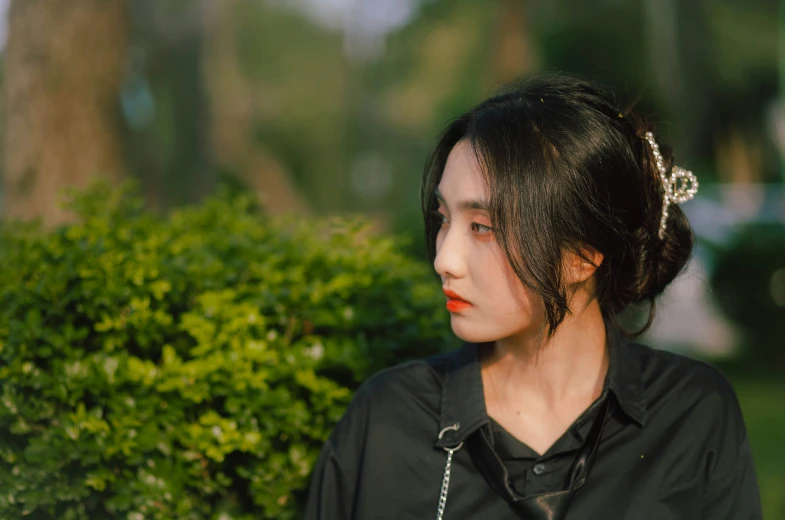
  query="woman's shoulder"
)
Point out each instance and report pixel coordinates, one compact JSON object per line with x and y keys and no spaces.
{"x":411,"y":379}
{"x":688,"y":396}
{"x":678,"y":373}
{"x":406,"y":395}
{"x":694,"y":404}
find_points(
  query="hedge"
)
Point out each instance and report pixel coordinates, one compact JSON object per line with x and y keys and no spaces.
{"x":190,"y":366}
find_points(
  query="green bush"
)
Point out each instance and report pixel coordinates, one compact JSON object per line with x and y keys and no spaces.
{"x":190,"y":366}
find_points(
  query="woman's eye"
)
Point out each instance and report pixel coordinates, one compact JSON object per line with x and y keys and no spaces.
{"x":481,"y":229}
{"x":440,"y":217}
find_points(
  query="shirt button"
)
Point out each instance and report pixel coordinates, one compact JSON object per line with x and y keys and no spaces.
{"x":538,"y":468}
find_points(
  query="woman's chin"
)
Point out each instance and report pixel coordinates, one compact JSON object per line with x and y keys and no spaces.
{"x":476,"y":330}
{"x":470,"y":332}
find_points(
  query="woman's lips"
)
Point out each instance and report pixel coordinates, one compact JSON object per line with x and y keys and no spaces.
{"x":457,"y":305}
{"x":454,"y":302}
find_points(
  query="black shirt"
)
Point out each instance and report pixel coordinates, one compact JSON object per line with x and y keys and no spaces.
{"x":674,"y":446}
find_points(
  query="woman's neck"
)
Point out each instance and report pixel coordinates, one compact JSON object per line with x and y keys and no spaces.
{"x":567,"y":369}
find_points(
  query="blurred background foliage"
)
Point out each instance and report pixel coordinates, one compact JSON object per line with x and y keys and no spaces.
{"x":328,"y":107}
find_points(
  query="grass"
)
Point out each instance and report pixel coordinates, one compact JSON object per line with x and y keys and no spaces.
{"x":763,"y":404}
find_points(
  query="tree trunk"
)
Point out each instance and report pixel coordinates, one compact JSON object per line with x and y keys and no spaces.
{"x":64,"y":64}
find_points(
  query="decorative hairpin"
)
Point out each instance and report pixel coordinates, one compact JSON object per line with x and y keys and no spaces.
{"x":681,"y":186}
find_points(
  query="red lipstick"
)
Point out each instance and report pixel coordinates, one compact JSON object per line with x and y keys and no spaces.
{"x":454,"y":301}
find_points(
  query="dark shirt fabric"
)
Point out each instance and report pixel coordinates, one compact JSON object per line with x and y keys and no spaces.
{"x":674,"y":446}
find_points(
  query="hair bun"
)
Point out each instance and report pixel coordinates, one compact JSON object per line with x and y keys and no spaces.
{"x":659,"y":261}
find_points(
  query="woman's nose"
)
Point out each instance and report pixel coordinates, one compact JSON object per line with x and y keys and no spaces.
{"x":449,"y":261}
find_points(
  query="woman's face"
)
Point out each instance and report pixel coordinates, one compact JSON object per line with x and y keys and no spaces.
{"x":470,"y":262}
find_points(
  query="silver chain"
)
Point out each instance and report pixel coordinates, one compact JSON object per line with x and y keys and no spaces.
{"x":447,"y":470}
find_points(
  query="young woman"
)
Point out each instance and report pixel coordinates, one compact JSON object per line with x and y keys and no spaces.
{"x":548,"y":212}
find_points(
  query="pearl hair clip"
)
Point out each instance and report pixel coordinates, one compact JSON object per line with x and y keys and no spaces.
{"x":681,"y":186}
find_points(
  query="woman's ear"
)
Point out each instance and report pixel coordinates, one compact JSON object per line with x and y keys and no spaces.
{"x":581,"y":264}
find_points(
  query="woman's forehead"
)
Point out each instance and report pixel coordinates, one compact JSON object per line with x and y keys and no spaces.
{"x":462,"y":178}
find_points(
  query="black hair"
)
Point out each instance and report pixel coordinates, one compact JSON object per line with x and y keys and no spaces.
{"x":567,"y":169}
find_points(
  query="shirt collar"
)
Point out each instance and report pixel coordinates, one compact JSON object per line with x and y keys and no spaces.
{"x":463,"y":402}
{"x":625,"y":376}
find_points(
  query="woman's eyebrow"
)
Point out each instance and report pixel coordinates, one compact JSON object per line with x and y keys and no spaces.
{"x":465,"y":205}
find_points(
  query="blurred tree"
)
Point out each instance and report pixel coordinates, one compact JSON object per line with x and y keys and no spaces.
{"x":514,"y":54}
{"x":707,"y":67}
{"x":299,"y":107}
{"x":64,"y":63}
{"x":167,"y":143}
{"x":436,"y":67}
{"x":740,"y":86}
{"x":233,"y":101}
